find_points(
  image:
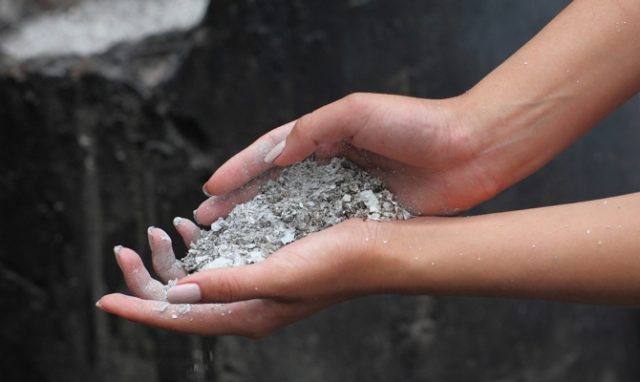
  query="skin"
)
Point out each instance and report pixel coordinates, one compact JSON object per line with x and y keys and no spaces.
{"x":439,"y":157}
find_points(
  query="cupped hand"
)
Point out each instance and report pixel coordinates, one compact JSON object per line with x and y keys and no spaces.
{"x":422,"y":149}
{"x":300,"y":279}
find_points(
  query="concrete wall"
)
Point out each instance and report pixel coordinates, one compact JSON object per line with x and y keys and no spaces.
{"x":94,"y":149}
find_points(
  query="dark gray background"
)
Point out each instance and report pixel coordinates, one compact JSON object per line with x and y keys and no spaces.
{"x":91,"y":153}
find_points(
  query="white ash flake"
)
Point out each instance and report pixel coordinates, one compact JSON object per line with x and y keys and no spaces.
{"x":305,"y":198}
{"x":184,"y":308}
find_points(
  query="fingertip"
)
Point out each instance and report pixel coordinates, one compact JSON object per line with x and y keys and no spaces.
{"x":127,"y":258}
{"x":108,"y":301}
{"x":275,"y":152}
{"x":209,"y":210}
{"x":205,"y":191}
{"x":116,"y":253}
{"x":188,"y":230}
{"x":164,"y":236}
{"x":184,"y":294}
{"x":218,"y":183}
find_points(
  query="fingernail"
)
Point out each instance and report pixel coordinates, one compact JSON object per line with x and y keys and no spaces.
{"x":165,"y":237}
{"x":116,"y":252}
{"x":177,"y":221}
{"x":184,"y":294}
{"x":150,"y":229}
{"x":195,"y":215}
{"x":275,"y":152}
{"x":204,"y":191}
{"x":98,"y":305}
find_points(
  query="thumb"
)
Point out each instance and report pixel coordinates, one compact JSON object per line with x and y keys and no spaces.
{"x":325,"y":127}
{"x":223,"y":285}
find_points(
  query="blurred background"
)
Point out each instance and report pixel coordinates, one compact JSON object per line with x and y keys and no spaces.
{"x":114,"y":112}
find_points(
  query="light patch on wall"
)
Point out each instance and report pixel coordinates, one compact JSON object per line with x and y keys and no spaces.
{"x":92,"y":26}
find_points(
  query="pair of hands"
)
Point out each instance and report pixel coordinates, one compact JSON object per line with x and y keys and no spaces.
{"x":438,"y":157}
{"x":424,"y":150}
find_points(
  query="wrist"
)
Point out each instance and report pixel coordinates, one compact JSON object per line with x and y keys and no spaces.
{"x":516,"y":135}
{"x":412,"y":256}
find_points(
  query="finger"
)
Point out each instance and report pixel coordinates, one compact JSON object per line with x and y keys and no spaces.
{"x":391,"y":126}
{"x":136,"y":275}
{"x":220,"y":206}
{"x":292,"y":272}
{"x":247,"y":164}
{"x":188,"y":230}
{"x":254,"y":318}
{"x":165,"y":264}
{"x":326,"y":128}
{"x":273,"y":292}
{"x":226,"y":285}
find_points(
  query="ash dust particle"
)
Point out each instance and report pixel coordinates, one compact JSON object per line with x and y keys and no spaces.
{"x":305,"y":198}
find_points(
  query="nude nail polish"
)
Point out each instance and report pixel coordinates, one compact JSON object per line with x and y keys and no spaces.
{"x":116,"y":252}
{"x":184,"y":294}
{"x":177,"y":221}
{"x":275,"y":152}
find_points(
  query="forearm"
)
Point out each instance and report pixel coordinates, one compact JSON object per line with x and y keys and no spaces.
{"x":586,"y":252}
{"x":578,"y":69}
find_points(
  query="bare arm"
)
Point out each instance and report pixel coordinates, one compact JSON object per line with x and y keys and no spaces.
{"x":442,"y":156}
{"x":578,"y":69}
{"x":585,"y":252}
{"x":439,"y":156}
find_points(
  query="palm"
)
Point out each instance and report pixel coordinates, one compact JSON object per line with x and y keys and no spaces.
{"x":250,"y":300}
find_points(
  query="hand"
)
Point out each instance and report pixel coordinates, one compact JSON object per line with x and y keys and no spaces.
{"x":422,"y":149}
{"x":300,"y":279}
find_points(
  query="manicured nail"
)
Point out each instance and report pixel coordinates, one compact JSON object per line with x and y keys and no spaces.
{"x":165,"y":237}
{"x":177,"y":221}
{"x":275,"y":152}
{"x":195,"y":215}
{"x":204,"y":191}
{"x":184,"y":294}
{"x":98,"y":305}
{"x":116,"y":252}
{"x":150,"y":229}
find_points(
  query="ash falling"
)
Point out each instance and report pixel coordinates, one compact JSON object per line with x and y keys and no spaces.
{"x":305,"y":198}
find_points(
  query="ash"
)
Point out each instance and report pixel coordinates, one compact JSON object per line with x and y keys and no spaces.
{"x":306,"y":197}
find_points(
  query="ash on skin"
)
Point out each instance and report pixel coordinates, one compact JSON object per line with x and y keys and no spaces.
{"x":305,"y":198}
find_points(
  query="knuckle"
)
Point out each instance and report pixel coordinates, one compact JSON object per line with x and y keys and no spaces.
{"x":357,"y":107}
{"x":303,"y":124}
{"x":356,"y":101}
{"x":226,"y":288}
